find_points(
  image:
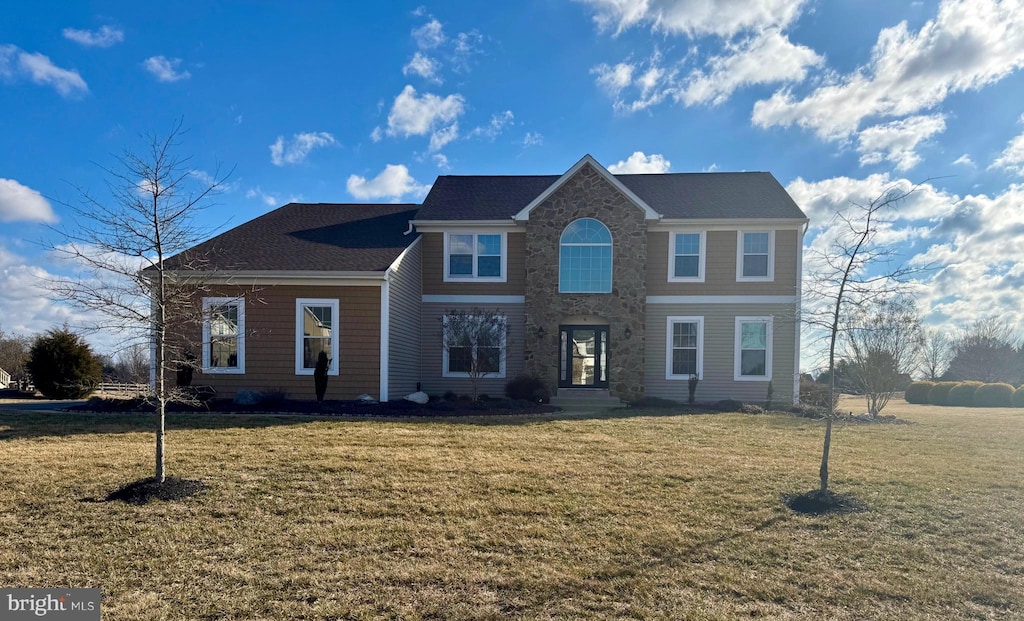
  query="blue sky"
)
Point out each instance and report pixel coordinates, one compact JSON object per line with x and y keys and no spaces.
{"x":347,"y":102}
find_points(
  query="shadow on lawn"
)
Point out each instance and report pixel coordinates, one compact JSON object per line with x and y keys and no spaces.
{"x":27,"y":424}
{"x":20,"y":425}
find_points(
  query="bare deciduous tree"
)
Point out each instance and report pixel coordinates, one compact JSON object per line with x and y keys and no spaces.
{"x":14,"y":350}
{"x":936,"y":353}
{"x":986,"y":351}
{"x":851,"y":269}
{"x":474,"y":341}
{"x":131,"y":364}
{"x":121,"y":246}
{"x":882,"y":341}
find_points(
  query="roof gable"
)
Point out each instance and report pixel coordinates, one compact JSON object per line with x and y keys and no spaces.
{"x":649,"y":213}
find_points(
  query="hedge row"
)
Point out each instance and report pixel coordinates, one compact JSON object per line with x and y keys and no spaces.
{"x":976,"y":394}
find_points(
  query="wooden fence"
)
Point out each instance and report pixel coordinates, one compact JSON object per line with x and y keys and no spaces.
{"x":122,"y":389}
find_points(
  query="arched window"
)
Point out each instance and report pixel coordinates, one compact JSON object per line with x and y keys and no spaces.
{"x":585,"y":259}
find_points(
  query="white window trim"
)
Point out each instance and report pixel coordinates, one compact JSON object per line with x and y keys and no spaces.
{"x":207,"y":304}
{"x":769,"y":346}
{"x":611,"y":283}
{"x":669,"y":336}
{"x":501,"y":359}
{"x":771,"y":256}
{"x":474,"y":278}
{"x":672,"y":257}
{"x":300,"y":303}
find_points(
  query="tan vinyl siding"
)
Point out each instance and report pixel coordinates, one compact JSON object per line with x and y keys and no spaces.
{"x":270,"y":342}
{"x":433,"y":270}
{"x":432,"y":352}
{"x":719,"y":345}
{"x":404,"y":338}
{"x":720,"y":267}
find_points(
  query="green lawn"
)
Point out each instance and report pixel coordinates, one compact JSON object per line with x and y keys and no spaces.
{"x":655,"y":517}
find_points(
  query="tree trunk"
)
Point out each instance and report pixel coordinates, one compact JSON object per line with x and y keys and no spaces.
{"x":823,"y":472}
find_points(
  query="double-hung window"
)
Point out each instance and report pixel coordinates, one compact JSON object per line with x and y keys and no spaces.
{"x":473,"y":344}
{"x":224,"y":335}
{"x":753,"y":350}
{"x":686,"y":257}
{"x":755,"y":256}
{"x":316,"y":331}
{"x":685,"y":348}
{"x":474,"y":256}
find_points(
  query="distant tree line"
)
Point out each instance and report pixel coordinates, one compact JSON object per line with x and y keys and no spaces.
{"x":67,"y":353}
{"x":989,"y":350}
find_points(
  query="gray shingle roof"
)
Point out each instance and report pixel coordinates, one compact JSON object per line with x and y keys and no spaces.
{"x":674,"y":195}
{"x":311,"y":236}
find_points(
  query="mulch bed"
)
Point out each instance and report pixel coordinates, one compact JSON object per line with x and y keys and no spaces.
{"x":817,"y":503}
{"x":145,"y":490}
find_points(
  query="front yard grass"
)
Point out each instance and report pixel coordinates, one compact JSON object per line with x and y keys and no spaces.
{"x":620,"y":516}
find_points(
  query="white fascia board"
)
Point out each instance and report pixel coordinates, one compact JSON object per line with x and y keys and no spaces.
{"x":649,"y":213}
{"x":727,"y":224}
{"x":473,"y":299}
{"x":722,"y":299}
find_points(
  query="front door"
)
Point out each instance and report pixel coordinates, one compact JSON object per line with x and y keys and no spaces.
{"x":583,"y":357}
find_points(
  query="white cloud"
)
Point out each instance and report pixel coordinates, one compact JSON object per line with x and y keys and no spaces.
{"x":17,"y":64}
{"x":25,"y":305}
{"x":443,"y":136}
{"x":640,"y":163}
{"x":417,"y":116}
{"x":267,"y":199}
{"x":965,"y":160}
{"x":533,"y":139}
{"x":766,"y":58}
{"x":424,"y":66}
{"x":821,"y":200}
{"x":393,"y":183}
{"x":106,"y":36}
{"x":430,"y":114}
{"x":969,"y":243}
{"x":693,"y":18}
{"x":1012,"y":157}
{"x":442,"y":161}
{"x":615,"y":78}
{"x":969,"y":44}
{"x":429,"y":35}
{"x":896,"y":141}
{"x":165,"y":69}
{"x":377,"y":134}
{"x":21,"y":203}
{"x":493,"y":129}
{"x":294,"y":151}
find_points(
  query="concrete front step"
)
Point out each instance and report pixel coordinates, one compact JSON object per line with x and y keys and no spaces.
{"x":585,"y":399}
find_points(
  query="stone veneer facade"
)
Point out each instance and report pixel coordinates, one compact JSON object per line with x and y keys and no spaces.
{"x":587,"y":194}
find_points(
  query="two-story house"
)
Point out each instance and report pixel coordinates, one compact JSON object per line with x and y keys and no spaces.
{"x":626,"y":283}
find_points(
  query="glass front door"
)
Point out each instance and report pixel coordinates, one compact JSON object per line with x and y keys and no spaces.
{"x":584,"y":357}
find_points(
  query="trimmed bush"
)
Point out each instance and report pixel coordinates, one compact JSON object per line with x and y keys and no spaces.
{"x":940,"y":393}
{"x":994,"y":396}
{"x":1017,"y":400}
{"x":63,"y":366}
{"x":528,"y":388}
{"x":963,"y":394}
{"x":917,"y":392}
